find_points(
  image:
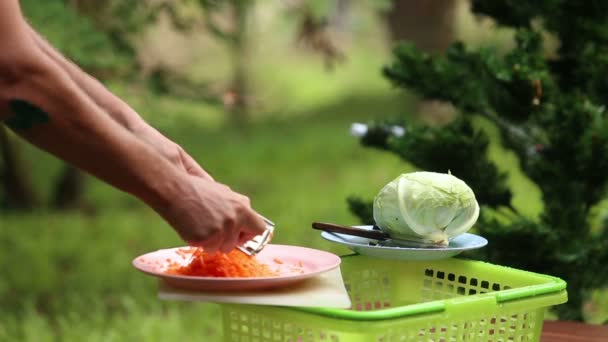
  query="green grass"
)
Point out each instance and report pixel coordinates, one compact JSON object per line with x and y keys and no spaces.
{"x":69,"y":278}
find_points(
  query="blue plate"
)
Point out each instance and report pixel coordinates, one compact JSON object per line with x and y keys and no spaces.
{"x":380,"y":249}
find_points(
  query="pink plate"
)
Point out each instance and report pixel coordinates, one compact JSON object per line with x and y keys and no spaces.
{"x":298,"y":263}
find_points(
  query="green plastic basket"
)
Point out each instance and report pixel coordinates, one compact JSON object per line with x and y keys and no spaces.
{"x":441,"y":301}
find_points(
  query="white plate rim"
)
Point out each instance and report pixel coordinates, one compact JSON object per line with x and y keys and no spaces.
{"x":482,"y":242}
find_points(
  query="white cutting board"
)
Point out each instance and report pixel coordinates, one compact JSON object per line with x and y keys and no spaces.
{"x":326,"y":290}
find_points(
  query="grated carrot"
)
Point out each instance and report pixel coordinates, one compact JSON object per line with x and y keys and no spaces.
{"x":233,"y":264}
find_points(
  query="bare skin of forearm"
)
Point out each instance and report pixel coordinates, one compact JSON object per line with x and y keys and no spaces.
{"x":120,"y":110}
{"x":47,"y":108}
{"x":114,"y":106}
{"x":69,"y":123}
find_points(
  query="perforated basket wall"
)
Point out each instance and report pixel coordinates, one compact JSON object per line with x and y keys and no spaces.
{"x":441,"y":301}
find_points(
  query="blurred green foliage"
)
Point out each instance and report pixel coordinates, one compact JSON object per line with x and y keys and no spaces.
{"x":74,"y":35}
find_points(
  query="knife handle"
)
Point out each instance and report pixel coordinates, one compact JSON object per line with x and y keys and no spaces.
{"x":336,"y":228}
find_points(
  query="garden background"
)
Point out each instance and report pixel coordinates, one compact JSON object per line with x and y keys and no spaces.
{"x":262,"y":94}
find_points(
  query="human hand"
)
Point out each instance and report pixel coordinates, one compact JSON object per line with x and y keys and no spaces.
{"x":171,"y":151}
{"x":209,"y":214}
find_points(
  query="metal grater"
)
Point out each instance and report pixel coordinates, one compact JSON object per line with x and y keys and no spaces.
{"x":257,"y":244}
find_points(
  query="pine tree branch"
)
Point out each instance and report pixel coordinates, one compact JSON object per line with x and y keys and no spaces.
{"x":516,"y":87}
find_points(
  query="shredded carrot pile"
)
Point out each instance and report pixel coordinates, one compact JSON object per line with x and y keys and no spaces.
{"x":233,"y":264}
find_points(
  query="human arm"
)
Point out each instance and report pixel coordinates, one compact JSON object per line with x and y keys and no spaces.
{"x":43,"y":104}
{"x":119,"y":110}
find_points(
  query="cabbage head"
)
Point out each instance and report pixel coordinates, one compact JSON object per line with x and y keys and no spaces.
{"x":425,"y":208}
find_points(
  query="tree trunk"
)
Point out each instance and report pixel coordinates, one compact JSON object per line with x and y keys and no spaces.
{"x":239,"y":54}
{"x":15,"y":177}
{"x":68,"y":189}
{"x":427,"y":23}
{"x":239,"y":110}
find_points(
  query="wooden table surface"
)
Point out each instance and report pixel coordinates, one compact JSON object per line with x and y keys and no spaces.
{"x":565,"y":331}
